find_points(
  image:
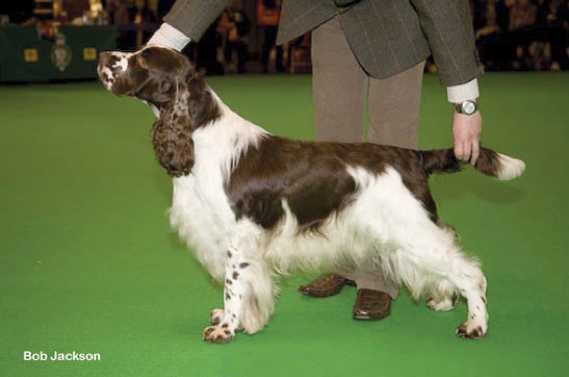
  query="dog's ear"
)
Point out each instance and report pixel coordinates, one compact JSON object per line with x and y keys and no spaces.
{"x":163,"y":60}
{"x":173,"y":145}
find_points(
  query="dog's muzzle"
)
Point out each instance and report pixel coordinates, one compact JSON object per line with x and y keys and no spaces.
{"x":111,"y":65}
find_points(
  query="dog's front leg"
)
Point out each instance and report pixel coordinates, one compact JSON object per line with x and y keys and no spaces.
{"x":226,"y":321}
{"x":248,"y":292}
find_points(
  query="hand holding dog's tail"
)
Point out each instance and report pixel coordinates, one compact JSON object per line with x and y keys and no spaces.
{"x":489,"y":163}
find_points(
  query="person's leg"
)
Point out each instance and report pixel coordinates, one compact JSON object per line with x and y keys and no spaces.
{"x":374,"y":281}
{"x":393,"y":110}
{"x":338,"y":85}
{"x":339,"y":88}
{"x":394,"y":104}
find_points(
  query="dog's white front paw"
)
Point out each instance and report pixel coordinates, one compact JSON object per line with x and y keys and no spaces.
{"x":217,"y":334}
{"x":472,"y":329}
{"x":443,"y":305}
{"x":215,"y":316}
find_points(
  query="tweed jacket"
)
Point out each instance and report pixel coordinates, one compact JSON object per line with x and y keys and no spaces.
{"x":386,"y":36}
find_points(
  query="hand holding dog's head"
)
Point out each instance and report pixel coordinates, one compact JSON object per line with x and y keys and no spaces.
{"x":151,"y":74}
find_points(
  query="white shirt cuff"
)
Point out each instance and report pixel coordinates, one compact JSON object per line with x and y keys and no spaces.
{"x":168,"y":36}
{"x":463,"y":92}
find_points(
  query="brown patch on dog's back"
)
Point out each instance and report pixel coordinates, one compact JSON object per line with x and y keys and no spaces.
{"x":313,"y":179}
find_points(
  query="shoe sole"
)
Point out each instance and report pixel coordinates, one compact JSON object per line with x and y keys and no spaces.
{"x":360,"y":317}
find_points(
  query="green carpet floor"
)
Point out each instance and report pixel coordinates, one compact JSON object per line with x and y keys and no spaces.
{"x":88,"y":264}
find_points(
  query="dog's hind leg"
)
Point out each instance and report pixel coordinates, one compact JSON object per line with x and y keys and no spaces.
{"x":471,"y":284}
{"x":415,"y":250}
{"x":431,"y":262}
{"x":451,"y":272}
{"x":248,"y":289}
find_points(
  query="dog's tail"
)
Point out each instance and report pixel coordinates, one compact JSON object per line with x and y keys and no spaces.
{"x":489,"y":163}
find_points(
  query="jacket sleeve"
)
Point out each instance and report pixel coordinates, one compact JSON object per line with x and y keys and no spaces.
{"x":193,"y":17}
{"x":447,"y":25}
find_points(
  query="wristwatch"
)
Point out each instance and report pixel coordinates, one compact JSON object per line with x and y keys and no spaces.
{"x":467,"y":107}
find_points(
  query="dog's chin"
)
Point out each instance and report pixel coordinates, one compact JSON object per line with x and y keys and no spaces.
{"x":119,"y":88}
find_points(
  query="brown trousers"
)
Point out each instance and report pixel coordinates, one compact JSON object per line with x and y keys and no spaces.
{"x":341,"y":91}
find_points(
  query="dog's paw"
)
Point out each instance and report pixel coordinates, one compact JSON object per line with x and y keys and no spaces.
{"x":217,"y":334}
{"x":215,"y":316}
{"x":471,"y":330}
{"x":443,"y":305}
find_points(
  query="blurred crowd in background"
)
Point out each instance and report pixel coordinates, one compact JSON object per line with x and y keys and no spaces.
{"x":522,"y":34}
{"x":510,"y":34}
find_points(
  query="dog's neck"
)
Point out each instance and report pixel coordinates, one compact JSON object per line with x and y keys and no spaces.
{"x":228,"y":137}
{"x":200,"y":109}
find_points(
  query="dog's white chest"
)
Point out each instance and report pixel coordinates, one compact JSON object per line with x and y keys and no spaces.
{"x":203,"y":218}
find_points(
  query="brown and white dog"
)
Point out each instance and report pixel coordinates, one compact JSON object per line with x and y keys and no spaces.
{"x":252,"y":205}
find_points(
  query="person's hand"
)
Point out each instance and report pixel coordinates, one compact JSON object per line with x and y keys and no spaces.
{"x":466,"y":130}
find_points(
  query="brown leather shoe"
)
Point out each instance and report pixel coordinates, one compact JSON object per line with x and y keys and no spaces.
{"x":371,"y":305}
{"x":325,"y":286}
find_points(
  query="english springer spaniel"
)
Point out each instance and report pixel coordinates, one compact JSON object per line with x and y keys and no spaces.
{"x":252,"y":205}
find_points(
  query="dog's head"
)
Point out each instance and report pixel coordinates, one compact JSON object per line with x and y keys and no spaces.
{"x":164,"y":79}
{"x":150,"y":74}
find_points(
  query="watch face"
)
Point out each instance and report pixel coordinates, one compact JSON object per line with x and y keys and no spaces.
{"x":468,"y":107}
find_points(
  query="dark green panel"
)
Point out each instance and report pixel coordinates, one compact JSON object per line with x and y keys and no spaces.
{"x":60,"y":59}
